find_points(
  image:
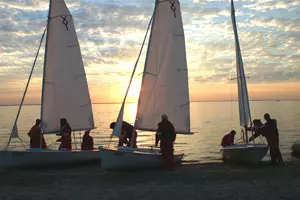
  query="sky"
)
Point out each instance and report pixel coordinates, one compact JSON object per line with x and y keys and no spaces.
{"x":110,"y":33}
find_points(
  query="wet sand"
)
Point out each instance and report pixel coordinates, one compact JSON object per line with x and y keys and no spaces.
{"x":188,"y":181}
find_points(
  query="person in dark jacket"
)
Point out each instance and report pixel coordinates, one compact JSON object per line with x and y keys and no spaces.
{"x":87,"y":141}
{"x":260,"y":129}
{"x":165,"y":133}
{"x":126,"y":134}
{"x":271,"y":124}
{"x":228,"y":139}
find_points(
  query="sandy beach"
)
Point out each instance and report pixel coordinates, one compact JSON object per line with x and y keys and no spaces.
{"x":188,"y":181}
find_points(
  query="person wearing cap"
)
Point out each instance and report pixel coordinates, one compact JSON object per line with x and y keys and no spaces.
{"x":87,"y":141}
{"x":165,"y":133}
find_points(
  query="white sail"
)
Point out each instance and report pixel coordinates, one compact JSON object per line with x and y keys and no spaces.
{"x":244,"y":108}
{"x":165,"y":80}
{"x":65,"y":89}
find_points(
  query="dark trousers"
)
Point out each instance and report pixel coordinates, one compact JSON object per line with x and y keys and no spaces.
{"x":166,"y":147}
{"x":275,"y":153}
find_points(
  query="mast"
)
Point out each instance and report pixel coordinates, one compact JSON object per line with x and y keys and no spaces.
{"x":244,"y":108}
{"x":44,"y":71}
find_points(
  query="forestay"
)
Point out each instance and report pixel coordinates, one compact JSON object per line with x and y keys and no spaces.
{"x":244,"y":108}
{"x":65,"y":89}
{"x":165,"y":79}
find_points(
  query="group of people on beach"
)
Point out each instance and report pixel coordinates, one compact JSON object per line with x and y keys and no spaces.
{"x":37,"y":139}
{"x":268,"y":130}
{"x":165,"y":134}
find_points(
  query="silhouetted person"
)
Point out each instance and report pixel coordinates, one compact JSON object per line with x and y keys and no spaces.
{"x":65,"y":133}
{"x":228,"y":139}
{"x":87,"y":141}
{"x":272,"y":126}
{"x":165,"y":133}
{"x":126,"y":134}
{"x":35,"y":136}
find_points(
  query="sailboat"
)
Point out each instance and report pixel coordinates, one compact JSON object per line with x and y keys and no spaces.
{"x":245,"y":152}
{"x":65,"y":94}
{"x":164,"y":90}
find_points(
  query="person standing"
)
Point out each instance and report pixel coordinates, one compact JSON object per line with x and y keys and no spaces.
{"x":35,"y":136}
{"x":165,"y":133}
{"x":65,"y":133}
{"x":271,"y":124}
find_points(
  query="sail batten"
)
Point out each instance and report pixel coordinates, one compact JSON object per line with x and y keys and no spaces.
{"x":65,"y":89}
{"x":165,"y":79}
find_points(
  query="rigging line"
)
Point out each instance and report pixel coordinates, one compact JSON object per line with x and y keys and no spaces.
{"x":135,"y":66}
{"x":21,"y":104}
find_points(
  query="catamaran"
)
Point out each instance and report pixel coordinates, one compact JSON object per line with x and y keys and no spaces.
{"x":164,"y":90}
{"x":65,"y":94}
{"x":245,"y":152}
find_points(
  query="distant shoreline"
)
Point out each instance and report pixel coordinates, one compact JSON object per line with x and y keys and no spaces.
{"x":136,"y":102}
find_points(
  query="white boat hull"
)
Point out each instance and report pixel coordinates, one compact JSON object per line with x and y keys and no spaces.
{"x":244,"y":153}
{"x":128,"y":158}
{"x":39,"y":157}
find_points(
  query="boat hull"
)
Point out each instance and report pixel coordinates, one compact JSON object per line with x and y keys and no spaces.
{"x":40,"y":157}
{"x":244,"y":153}
{"x":128,"y":158}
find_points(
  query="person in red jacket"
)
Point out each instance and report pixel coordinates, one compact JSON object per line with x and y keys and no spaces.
{"x":35,"y":136}
{"x":228,"y":139}
{"x":87,"y":141}
{"x":165,"y":133}
{"x":65,"y":133}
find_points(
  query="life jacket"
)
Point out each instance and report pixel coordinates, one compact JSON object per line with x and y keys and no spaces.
{"x":87,"y":142}
{"x":35,"y":138}
{"x":66,"y":140}
{"x":228,"y":140}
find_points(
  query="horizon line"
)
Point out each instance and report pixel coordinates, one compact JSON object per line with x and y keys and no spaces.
{"x":36,"y":104}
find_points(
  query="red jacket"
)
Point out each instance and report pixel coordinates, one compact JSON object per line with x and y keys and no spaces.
{"x":228,"y":140}
{"x":35,"y":138}
{"x":87,"y":142}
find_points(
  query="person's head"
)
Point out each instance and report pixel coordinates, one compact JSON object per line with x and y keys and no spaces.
{"x":267,"y":116}
{"x":63,"y":121}
{"x":37,"y":122}
{"x":257,"y":122}
{"x":233,"y":132}
{"x":164,"y":117}
{"x":112,"y":125}
{"x":87,"y":132}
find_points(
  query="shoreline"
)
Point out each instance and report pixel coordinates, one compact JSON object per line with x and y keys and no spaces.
{"x":188,"y":181}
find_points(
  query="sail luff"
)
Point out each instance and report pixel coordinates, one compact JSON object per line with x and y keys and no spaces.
{"x":243,"y":99}
{"x":44,"y":70}
{"x":164,"y":87}
{"x":146,"y":61}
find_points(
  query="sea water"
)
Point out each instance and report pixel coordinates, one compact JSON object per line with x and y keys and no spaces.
{"x":209,"y":122}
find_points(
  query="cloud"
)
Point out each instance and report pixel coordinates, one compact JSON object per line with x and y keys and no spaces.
{"x":110,"y":34}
